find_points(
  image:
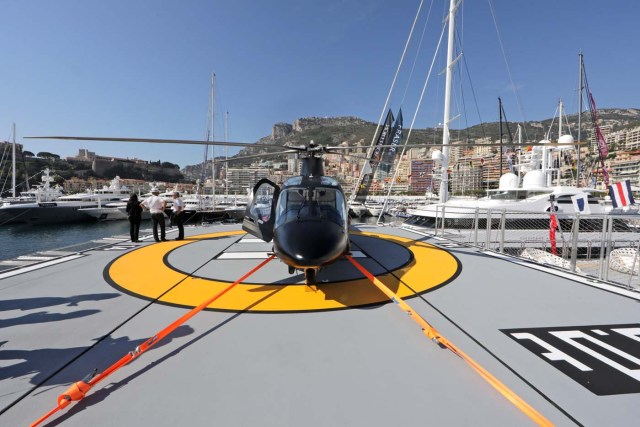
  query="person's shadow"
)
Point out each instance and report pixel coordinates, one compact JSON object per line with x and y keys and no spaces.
{"x":24,"y":304}
{"x":104,"y":392}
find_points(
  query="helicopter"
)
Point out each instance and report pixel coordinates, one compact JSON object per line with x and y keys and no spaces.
{"x":307,"y":219}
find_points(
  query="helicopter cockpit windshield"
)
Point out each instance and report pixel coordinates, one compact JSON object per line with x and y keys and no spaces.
{"x":319,"y":203}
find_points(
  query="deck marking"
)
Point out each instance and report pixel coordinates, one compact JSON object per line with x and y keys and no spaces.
{"x":252,"y":240}
{"x":38,"y":266}
{"x":602,"y":358}
{"x":428,"y":267}
{"x":244,"y":255}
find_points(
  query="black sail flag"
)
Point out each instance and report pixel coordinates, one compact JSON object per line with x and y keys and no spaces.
{"x":371,"y":165}
{"x":390,"y":153}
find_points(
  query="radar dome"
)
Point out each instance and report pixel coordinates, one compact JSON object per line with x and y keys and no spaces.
{"x":508,"y":181}
{"x":533,"y":179}
{"x":565,"y":139}
{"x":544,"y":141}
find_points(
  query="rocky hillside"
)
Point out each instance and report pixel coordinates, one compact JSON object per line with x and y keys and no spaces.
{"x":336,"y":130}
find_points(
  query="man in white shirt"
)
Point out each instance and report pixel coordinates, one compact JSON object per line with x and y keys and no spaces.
{"x":156,"y":205}
{"x":178,"y":214}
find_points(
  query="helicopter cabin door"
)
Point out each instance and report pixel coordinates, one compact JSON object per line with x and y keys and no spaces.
{"x":260,"y":216}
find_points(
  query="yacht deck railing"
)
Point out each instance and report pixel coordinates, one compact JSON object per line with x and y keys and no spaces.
{"x":598,"y":247}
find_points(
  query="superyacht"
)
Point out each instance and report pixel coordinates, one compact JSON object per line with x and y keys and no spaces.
{"x":65,"y":209}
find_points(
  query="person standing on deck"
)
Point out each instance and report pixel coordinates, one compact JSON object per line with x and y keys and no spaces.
{"x":156,"y":206}
{"x":134,"y":213}
{"x":178,"y":214}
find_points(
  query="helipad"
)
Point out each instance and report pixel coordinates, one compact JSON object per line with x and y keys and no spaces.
{"x":205,"y":264}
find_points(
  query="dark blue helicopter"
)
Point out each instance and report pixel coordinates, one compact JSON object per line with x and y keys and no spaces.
{"x":307,"y":219}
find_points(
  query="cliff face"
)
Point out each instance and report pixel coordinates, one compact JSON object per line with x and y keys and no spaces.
{"x":280,"y":130}
{"x":309,"y":123}
{"x":350,"y":130}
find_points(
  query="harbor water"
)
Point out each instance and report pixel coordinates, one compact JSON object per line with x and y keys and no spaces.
{"x":23,"y":239}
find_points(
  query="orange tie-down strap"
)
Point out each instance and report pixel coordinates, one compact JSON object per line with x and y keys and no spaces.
{"x":434,"y":335}
{"x":79,"y":389}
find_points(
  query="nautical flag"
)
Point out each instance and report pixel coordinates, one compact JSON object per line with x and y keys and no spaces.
{"x":581,"y":203}
{"x":371,"y":165}
{"x":553,"y":225}
{"x":620,"y":193}
{"x":390,"y":153}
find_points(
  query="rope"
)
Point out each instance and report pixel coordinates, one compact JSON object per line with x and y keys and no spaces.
{"x":80,"y":389}
{"x":133,"y":316}
{"x":415,"y":60}
{"x":413,"y":120}
{"x":435,"y":336}
{"x":386,"y":102}
{"x":506,"y":61}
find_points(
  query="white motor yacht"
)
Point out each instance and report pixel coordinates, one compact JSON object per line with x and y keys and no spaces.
{"x":41,"y":193}
{"x":532,"y":195}
{"x":65,"y":209}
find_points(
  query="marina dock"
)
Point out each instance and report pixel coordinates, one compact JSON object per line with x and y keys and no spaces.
{"x":272,"y":353}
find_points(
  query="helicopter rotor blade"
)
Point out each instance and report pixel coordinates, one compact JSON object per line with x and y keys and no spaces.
{"x":355,"y":156}
{"x":296,"y":147}
{"x":159,"y":141}
{"x":253,"y":156}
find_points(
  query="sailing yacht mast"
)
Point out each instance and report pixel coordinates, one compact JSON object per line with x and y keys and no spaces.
{"x":213,"y":148}
{"x":226,"y":157}
{"x":444,"y":183}
{"x":13,"y":172}
{"x":579,"y":121}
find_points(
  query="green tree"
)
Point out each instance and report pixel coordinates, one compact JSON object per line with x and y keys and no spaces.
{"x":47,"y":155}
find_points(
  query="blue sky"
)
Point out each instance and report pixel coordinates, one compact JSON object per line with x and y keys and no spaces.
{"x":141,"y":68}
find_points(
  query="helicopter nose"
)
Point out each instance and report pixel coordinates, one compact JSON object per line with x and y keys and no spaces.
{"x":309,"y":243}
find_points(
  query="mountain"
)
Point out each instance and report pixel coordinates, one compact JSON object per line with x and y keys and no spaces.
{"x":353,"y":131}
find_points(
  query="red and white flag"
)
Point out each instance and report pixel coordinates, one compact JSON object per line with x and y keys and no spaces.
{"x":620,"y":193}
{"x":553,"y":225}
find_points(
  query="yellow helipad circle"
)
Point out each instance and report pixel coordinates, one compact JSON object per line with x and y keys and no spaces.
{"x":146,"y":273}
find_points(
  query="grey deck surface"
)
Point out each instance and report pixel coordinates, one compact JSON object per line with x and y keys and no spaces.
{"x":362,"y":366}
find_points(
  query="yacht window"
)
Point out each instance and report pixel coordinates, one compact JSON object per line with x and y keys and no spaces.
{"x":502,"y":195}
